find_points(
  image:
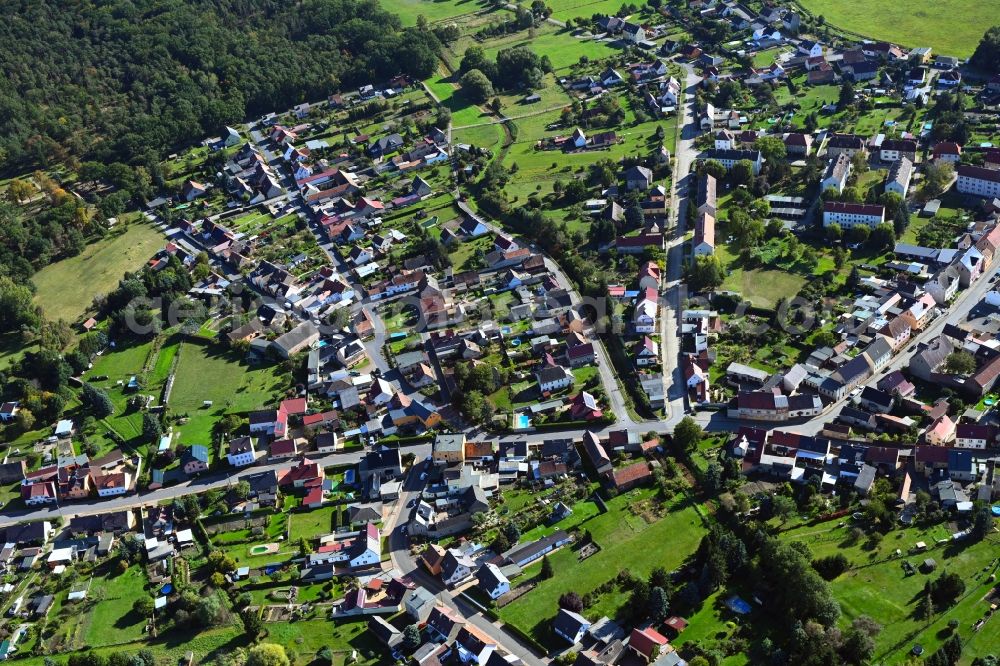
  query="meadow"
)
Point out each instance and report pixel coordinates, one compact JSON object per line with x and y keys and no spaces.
{"x":625,"y":534}
{"x":211,"y":372}
{"x":66,"y":288}
{"x":877,"y":586}
{"x":951,"y":27}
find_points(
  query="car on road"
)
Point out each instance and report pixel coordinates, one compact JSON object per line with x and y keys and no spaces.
{"x":412,"y":503}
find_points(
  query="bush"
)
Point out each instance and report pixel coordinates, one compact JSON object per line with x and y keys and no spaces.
{"x":831,"y":566}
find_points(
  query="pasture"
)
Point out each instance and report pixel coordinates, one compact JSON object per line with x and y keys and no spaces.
{"x":213,"y":373}
{"x":879,"y":587}
{"x":67,"y":287}
{"x":627,"y":533}
{"x":951,"y":27}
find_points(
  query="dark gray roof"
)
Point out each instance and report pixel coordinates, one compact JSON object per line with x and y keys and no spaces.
{"x":568,"y":623}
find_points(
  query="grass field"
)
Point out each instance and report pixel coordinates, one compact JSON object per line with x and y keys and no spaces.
{"x":303,"y":639}
{"x":763,"y":287}
{"x":952,"y":27}
{"x":212,"y":373}
{"x":119,"y":365}
{"x":11,"y":349}
{"x":311,"y":524}
{"x":627,"y":540}
{"x":112,"y":620}
{"x":432,"y":10}
{"x":879,"y":588}
{"x":66,"y":288}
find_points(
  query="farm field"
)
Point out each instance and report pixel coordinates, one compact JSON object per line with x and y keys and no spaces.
{"x":627,"y":540}
{"x":66,"y":288}
{"x":951,"y":27}
{"x":211,"y":372}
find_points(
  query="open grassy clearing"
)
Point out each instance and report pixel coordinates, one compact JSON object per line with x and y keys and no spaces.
{"x":569,"y":9}
{"x":303,"y":639}
{"x":211,"y":372}
{"x":879,"y":587}
{"x":627,"y":540}
{"x":311,"y":524}
{"x":953,"y":27}
{"x":66,"y":288}
{"x":11,"y":349}
{"x":432,"y":10}
{"x":112,"y":619}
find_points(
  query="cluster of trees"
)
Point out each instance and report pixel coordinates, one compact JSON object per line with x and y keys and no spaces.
{"x":143,"y":657}
{"x":143,"y":300}
{"x":517,"y":67}
{"x":941,"y":593}
{"x":474,"y":383}
{"x":524,"y":19}
{"x":132,"y":80}
{"x":507,"y":537}
{"x":950,"y":653}
{"x":987,"y":55}
{"x":31,"y":242}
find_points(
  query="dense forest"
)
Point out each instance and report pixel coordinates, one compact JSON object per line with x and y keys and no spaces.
{"x":129,"y":80}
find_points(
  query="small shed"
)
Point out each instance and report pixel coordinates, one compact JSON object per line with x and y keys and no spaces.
{"x":928,"y":565}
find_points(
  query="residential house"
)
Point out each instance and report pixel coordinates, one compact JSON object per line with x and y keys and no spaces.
{"x":704,"y":235}
{"x":570,"y":626}
{"x":837,"y":171}
{"x":241,"y":452}
{"x":492,"y":581}
{"x":978,"y":181}
{"x":899,"y":177}
{"x":850,"y":215}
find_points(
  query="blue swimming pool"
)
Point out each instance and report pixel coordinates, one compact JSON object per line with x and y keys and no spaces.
{"x":521,"y":421}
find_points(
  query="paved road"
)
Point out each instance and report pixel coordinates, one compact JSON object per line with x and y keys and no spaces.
{"x":196,"y":485}
{"x":674,"y":292}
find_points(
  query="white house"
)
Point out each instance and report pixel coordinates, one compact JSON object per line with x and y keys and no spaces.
{"x":456,"y":567}
{"x":492,"y":581}
{"x":553,"y":378}
{"x":110,"y":485}
{"x":900,"y":174}
{"x":836,"y":174}
{"x":241,"y":452}
{"x":978,"y":181}
{"x":645,"y":315}
{"x":704,"y":235}
{"x":850,"y":215}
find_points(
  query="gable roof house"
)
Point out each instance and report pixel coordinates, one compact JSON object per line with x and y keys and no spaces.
{"x":570,"y":626}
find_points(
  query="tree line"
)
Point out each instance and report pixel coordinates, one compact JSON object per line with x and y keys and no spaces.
{"x":130,"y":81}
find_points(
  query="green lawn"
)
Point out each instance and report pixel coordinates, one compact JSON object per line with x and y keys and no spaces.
{"x":432,"y":10}
{"x":11,"y":349}
{"x":953,"y":27}
{"x":112,"y":619}
{"x":120,"y":364}
{"x":627,"y":541}
{"x":206,"y":646}
{"x":311,"y":524}
{"x":763,"y":287}
{"x":66,"y":288}
{"x":303,"y":639}
{"x":210,"y":372}
{"x":878,"y":587}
